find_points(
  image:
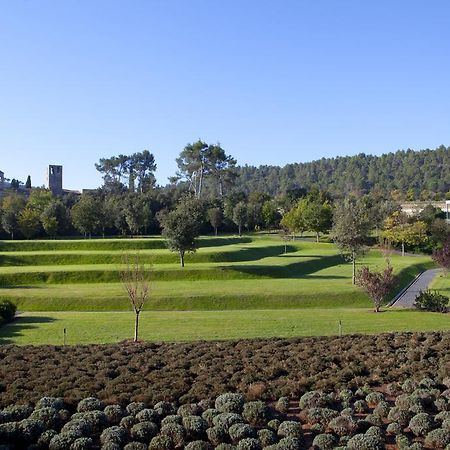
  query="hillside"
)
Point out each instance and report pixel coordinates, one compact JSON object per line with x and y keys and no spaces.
{"x":417,"y":172}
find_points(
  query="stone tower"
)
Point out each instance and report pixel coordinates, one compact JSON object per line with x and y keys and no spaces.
{"x":54,"y":179}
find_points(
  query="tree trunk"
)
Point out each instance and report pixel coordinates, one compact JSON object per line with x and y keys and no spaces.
{"x":136,"y":326}
{"x":353,"y":268}
{"x":12,"y":235}
{"x":200,"y":184}
{"x":317,"y":237}
{"x":215,"y":231}
{"x":182,"y":259}
{"x":403,"y":248}
{"x":221,"y":188}
{"x":240,"y":230}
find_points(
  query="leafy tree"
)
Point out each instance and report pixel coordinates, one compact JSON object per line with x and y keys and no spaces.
{"x":55,"y":218}
{"x":240,"y":216}
{"x":135,"y":280}
{"x":137,"y":213}
{"x":397,"y":229}
{"x":350,"y":230}
{"x":442,"y":256}
{"x":142,"y":166}
{"x":15,"y":184}
{"x":215,"y":217}
{"x":318,"y":217}
{"x":293,"y":220}
{"x":12,"y":204}
{"x":29,"y":222}
{"x":28,"y":182}
{"x":86,"y":215}
{"x":221,"y":167}
{"x":376,"y":284}
{"x":270,"y":214}
{"x":181,"y":226}
{"x":39,"y":200}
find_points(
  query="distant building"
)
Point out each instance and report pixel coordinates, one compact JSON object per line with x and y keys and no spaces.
{"x":54,"y":179}
{"x":412,"y":208}
{"x":2,"y":178}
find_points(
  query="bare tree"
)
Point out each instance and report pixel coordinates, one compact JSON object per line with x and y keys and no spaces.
{"x":134,"y":279}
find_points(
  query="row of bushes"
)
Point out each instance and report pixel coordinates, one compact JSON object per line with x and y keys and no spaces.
{"x":410,"y":415}
{"x":430,"y":300}
{"x":7,"y":311}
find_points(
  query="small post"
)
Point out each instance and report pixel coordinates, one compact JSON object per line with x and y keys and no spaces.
{"x":340,"y":328}
{"x":64,"y":332}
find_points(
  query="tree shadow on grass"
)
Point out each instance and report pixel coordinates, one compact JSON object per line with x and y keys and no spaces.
{"x":21,"y":323}
{"x":298,"y":269}
{"x":250,"y":254}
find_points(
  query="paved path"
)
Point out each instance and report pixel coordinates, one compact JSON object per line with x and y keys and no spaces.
{"x":406,"y":300}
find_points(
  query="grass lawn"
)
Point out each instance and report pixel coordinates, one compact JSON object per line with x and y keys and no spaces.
{"x":442,"y":283}
{"x":91,"y":327}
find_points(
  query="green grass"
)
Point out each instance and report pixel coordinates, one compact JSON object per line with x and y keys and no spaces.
{"x":442,"y":283}
{"x":89,"y":327}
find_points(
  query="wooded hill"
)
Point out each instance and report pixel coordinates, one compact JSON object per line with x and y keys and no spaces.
{"x":414,"y":174}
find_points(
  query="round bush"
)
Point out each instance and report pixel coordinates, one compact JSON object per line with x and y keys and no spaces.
{"x":320,"y":415}
{"x":216,"y":435}
{"x":135,"y":446}
{"x":409,"y":385}
{"x":83,"y":443}
{"x":289,"y":428}
{"x":30,"y":429}
{"x":314,"y":399}
{"x":364,"y":442}
{"x":360,"y":406}
{"x":446,"y":425}
{"x":399,"y":415}
{"x":15,"y":413}
{"x":342,"y":425}
{"x":324,"y":441}
{"x":256,"y":413}
{"x":78,"y":426}
{"x":175,"y":432}
{"x":128,"y":422}
{"x":394,"y":428}
{"x":230,"y":403}
{"x":382,"y":409}
{"x":48,"y":417}
{"x":437,"y":438}
{"x":225,"y":420}
{"x":416,"y":446}
{"x":173,"y":419}
{"x":161,"y":442}
{"x":165,"y":408}
{"x":317,"y":428}
{"x":421,"y":424}
{"x":189,"y":409}
{"x":114,"y":434}
{"x":114,"y":414}
{"x":374,"y":398}
{"x":7,"y":311}
{"x":50,"y":402}
{"x":198,"y":445}
{"x":249,"y":444}
{"x":282,"y":405}
{"x":195,"y":426}
{"x":289,"y":443}
{"x":62,"y":441}
{"x":148,"y":415}
{"x":274,"y":424}
{"x":90,"y":404}
{"x":134,"y":407}
{"x":225,"y":446}
{"x":144,"y":431}
{"x":266,"y":437}
{"x":209,"y":415}
{"x":240,"y":431}
{"x":45,"y":438}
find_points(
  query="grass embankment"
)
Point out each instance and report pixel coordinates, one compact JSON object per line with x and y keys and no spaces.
{"x":442,"y":283}
{"x":90,"y":327}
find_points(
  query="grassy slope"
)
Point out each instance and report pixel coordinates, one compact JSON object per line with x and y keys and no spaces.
{"x":442,"y":283}
{"x":85,"y":327}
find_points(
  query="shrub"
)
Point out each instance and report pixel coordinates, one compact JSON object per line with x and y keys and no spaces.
{"x":374,"y":398}
{"x":135,"y":407}
{"x":161,"y":442}
{"x":83,"y":443}
{"x":320,"y":415}
{"x":147,"y":415}
{"x":382,"y":409}
{"x":274,"y":424}
{"x":78,"y":427}
{"x":249,"y":444}
{"x":365,"y":442}
{"x":128,"y":422}
{"x":282,"y":405}
{"x":314,"y":399}
{"x":225,"y":420}
{"x":431,"y":301}
{"x":256,"y":413}
{"x":399,"y":415}
{"x":45,"y":438}
{"x":225,"y":446}
{"x":50,"y":402}
{"x":446,"y":425}
{"x":342,"y":425}
{"x":30,"y":429}
{"x":15,"y":412}
{"x":189,"y":409}
{"x":209,"y":415}
{"x":402,"y":442}
{"x":289,"y":443}
{"x":266,"y":437}
{"x":230,"y":403}
{"x":175,"y":432}
{"x":216,"y":435}
{"x":317,"y":428}
{"x":7,"y":311}
{"x":324,"y":441}
{"x":195,"y":426}
{"x":443,"y":415}
{"x":115,"y":434}
{"x":240,"y":431}
{"x":421,"y":424}
{"x":49,"y":417}
{"x":394,"y":428}
{"x":198,"y":445}
{"x":361,"y":406}
{"x":90,"y":404}
{"x":173,"y":419}
{"x":62,"y":441}
{"x":289,"y":428}
{"x":144,"y":431}
{"x":374,"y":419}
{"x":114,"y":414}
{"x":165,"y":408}
{"x":135,"y":446}
{"x":438,"y":438}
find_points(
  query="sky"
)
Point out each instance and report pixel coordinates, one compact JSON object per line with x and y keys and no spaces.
{"x":273,"y":82}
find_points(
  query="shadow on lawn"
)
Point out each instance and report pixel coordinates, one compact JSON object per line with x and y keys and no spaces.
{"x":18,"y":325}
{"x":298,"y":269}
{"x":251,"y":254}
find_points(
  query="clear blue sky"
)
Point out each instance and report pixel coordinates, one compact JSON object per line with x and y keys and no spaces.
{"x":272,"y":81}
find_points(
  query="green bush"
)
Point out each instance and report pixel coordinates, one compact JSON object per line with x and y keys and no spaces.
{"x":421,"y":424}
{"x":438,"y":438}
{"x":324,"y":441}
{"x":144,"y":431}
{"x":431,"y":301}
{"x":230,"y":403}
{"x":240,"y":431}
{"x":7,"y":311}
{"x":175,"y":432}
{"x":256,"y":413}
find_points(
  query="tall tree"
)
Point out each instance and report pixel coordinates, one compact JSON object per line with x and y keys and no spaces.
{"x":215,"y":217}
{"x":350,"y":230}
{"x":142,"y":167}
{"x":86,"y":216}
{"x":317,"y":216}
{"x":442,"y":256}
{"x":29,"y":222}
{"x":221,"y":167}
{"x":270,"y":214}
{"x":28,"y":182}
{"x":240,"y":216}
{"x":181,"y":226}
{"x":12,"y":204}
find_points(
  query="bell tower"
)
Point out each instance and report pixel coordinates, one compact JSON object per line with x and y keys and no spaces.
{"x":54,"y":179}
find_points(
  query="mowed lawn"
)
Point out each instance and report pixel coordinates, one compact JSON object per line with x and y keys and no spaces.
{"x":442,"y":283}
{"x":106,"y":327}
